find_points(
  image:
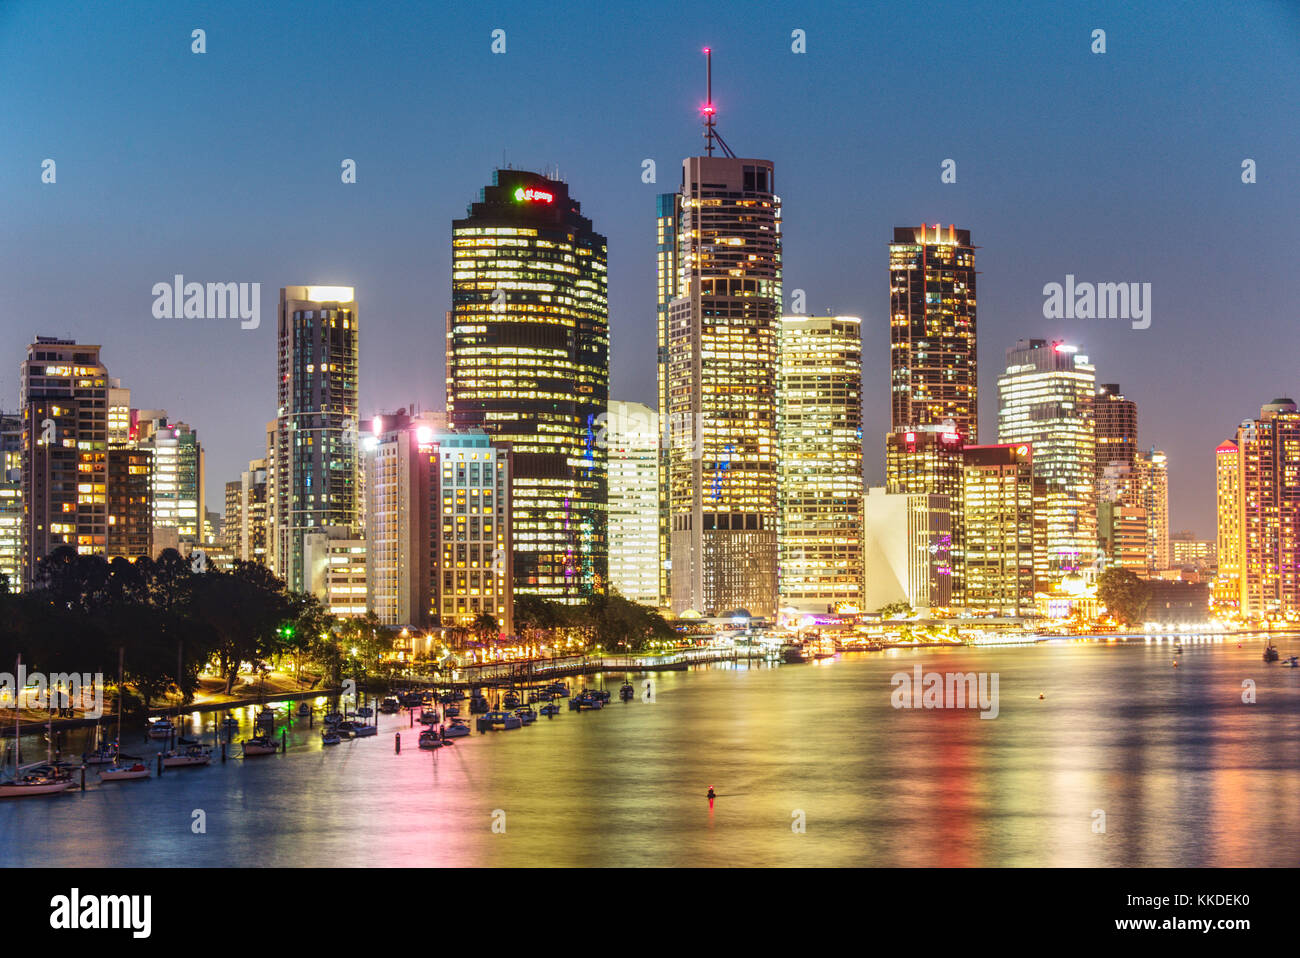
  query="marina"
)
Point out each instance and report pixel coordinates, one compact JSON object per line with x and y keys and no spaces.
{"x":1184,"y":768}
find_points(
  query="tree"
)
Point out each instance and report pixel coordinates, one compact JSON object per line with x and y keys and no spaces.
{"x":486,"y":627}
{"x":1124,"y":594}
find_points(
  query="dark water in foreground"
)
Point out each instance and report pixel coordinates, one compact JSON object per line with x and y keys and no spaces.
{"x":1185,"y":773}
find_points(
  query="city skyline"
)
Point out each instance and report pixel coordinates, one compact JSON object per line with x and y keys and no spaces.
{"x":844,"y":199}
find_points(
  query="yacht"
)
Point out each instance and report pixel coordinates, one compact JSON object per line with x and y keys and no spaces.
{"x":330,"y":737}
{"x":430,"y":716}
{"x":1270,"y":652}
{"x":457,"y":729}
{"x":430,"y":739}
{"x":498,"y":720}
{"x":526,"y":715}
{"x":125,"y":773}
{"x":161,"y":728}
{"x":188,"y":757}
{"x":390,"y":705}
{"x":627,"y":692}
{"x":550,"y":708}
{"x":303,"y":710}
{"x":261,"y":745}
{"x":365,"y":731}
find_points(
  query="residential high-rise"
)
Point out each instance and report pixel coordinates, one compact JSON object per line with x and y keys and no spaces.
{"x":721,"y":387}
{"x":1269,"y":539}
{"x":907,"y":550}
{"x":1046,"y":400}
{"x":1122,"y":535}
{"x":334,"y":569}
{"x":668,"y":274}
{"x":244,"y":530}
{"x":528,"y":364}
{"x":63,"y":402}
{"x":312,"y":460}
{"x":631,"y":434}
{"x":1117,"y":424}
{"x":819,"y":428}
{"x":1152,"y":473}
{"x":1228,"y":501}
{"x":1003,"y":541}
{"x":130,"y":501}
{"x":472,"y":542}
{"x":401,"y":509}
{"x":932,"y":313}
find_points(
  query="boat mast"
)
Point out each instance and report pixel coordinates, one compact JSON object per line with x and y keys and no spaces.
{"x":121,"y":655}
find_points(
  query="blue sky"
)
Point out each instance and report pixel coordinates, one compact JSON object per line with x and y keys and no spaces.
{"x":224,"y":166}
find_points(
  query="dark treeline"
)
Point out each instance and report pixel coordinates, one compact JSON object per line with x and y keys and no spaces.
{"x":83,"y":609}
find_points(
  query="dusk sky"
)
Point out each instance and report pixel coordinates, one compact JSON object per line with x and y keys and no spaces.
{"x":225,"y":167}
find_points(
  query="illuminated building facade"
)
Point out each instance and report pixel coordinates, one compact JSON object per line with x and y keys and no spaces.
{"x":177,"y":477}
{"x":64,"y":407}
{"x":1003,"y":546}
{"x":244,"y":531}
{"x":632,"y":443}
{"x":1122,"y":535}
{"x":1186,"y":551}
{"x":11,"y":500}
{"x":819,"y":425}
{"x":334,"y":570}
{"x":313,"y":470}
{"x":721,"y":388}
{"x":1270,"y":512}
{"x":130,"y":501}
{"x":1151,"y":470}
{"x":1228,"y":526}
{"x":1046,"y":400}
{"x":932,"y":329}
{"x":928,"y":460}
{"x":907,"y":550}
{"x":1117,"y":424}
{"x":668,"y":275}
{"x":400,"y":466}
{"x":528,"y":363}
{"x":473,"y":534}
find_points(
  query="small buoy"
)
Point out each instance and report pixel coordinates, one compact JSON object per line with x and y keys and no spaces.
{"x":1175,"y":663}
{"x":1041,"y":695}
{"x":711,"y":795}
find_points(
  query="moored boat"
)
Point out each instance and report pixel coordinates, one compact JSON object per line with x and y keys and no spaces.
{"x":191,"y":756}
{"x":1270,"y":653}
{"x":458,"y":728}
{"x":330,"y":737}
{"x":627,"y":692}
{"x":160,"y":728}
{"x":429,"y":716}
{"x":550,"y":709}
{"x":260,"y":745}
{"x":364,"y":731}
{"x":37,"y":780}
{"x":430,"y":739}
{"x":125,"y":773}
{"x":526,"y":715}
{"x":498,"y":720}
{"x":303,"y":710}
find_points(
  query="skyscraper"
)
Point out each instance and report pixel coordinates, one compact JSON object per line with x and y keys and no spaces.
{"x":1046,"y":400}
{"x":819,"y":425}
{"x":63,"y":402}
{"x":1269,"y":538}
{"x":932,"y":312}
{"x":1227,"y":495}
{"x":632,"y":441}
{"x":1152,"y":471}
{"x":928,"y":460}
{"x":178,"y":473}
{"x":11,"y":500}
{"x":1003,"y":544}
{"x":907,"y":552}
{"x":720,"y":392}
{"x":528,"y":363}
{"x":313,"y":479}
{"x":1117,"y":425}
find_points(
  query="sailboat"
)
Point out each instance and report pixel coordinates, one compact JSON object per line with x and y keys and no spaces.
{"x":119,"y":772}
{"x":39,"y":779}
{"x":185,"y":753}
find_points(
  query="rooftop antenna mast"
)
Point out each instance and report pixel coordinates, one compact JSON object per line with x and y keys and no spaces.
{"x":710,"y":113}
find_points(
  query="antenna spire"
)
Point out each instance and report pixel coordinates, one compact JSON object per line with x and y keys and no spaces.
{"x":710,"y":112}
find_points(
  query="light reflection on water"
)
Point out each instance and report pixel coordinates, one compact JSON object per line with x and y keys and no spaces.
{"x":1185,"y":773}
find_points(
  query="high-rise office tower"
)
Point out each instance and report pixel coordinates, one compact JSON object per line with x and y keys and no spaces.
{"x":177,"y":478}
{"x":668,"y":274}
{"x":313,"y":479}
{"x":528,"y":363}
{"x":1002,"y":553}
{"x":632,"y":443}
{"x":907,"y":550}
{"x":119,"y":414}
{"x":1046,"y":399}
{"x":1117,"y":426}
{"x":11,"y":500}
{"x":1151,"y":469}
{"x":722,"y":333}
{"x":1227,"y":497}
{"x":1269,"y":538}
{"x":63,"y":400}
{"x":928,"y":460}
{"x":819,"y":428}
{"x":932,"y":329}
{"x":1122,"y":535}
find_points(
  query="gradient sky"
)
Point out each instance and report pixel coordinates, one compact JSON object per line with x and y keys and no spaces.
{"x":1122,"y":167}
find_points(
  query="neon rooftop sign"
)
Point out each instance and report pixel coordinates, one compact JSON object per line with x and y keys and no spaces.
{"x":532,"y":195}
